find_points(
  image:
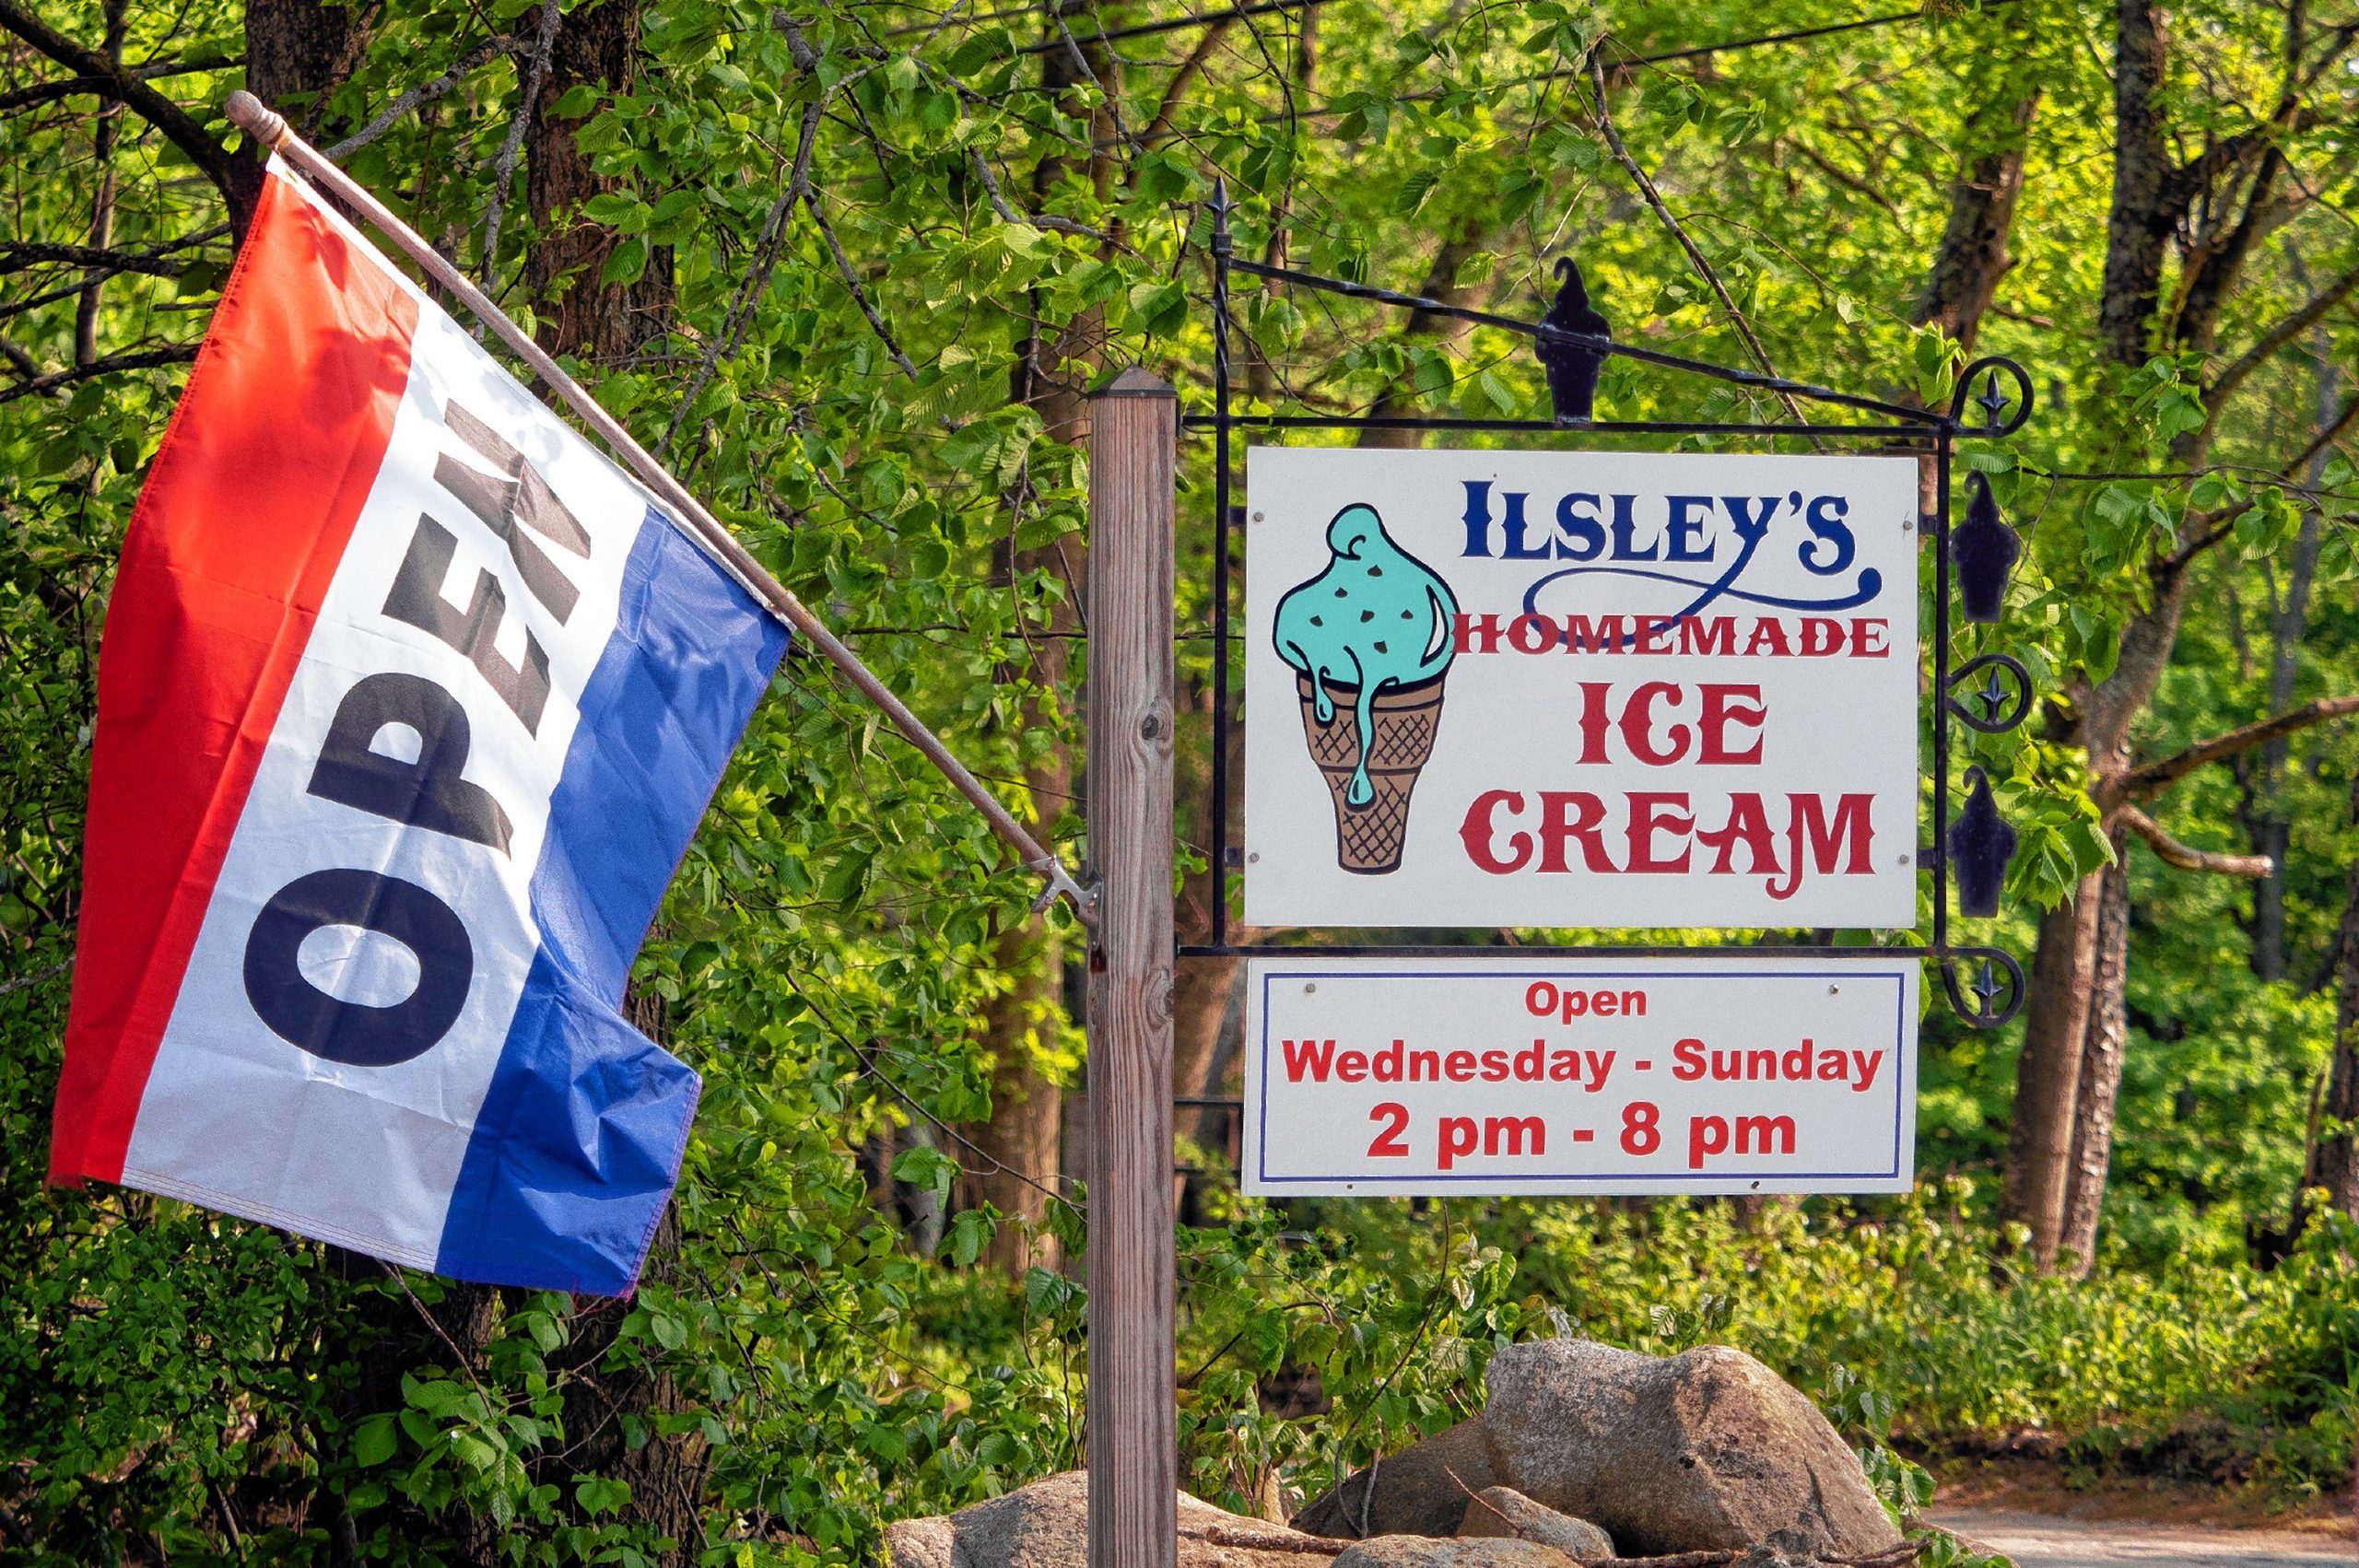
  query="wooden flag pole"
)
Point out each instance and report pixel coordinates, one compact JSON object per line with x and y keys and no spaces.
{"x":1133,"y":1439}
{"x":251,"y":115}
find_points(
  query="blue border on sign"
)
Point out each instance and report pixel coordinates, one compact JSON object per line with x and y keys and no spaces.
{"x":1850,"y":972}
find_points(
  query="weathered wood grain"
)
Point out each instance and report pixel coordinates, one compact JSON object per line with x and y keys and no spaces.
{"x":1134,"y":1442}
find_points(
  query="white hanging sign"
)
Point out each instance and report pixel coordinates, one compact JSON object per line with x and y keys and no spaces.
{"x":1580,"y":689}
{"x":1493,"y":1074}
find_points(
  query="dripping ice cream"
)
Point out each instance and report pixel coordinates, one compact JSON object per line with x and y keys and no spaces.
{"x":1369,"y":640}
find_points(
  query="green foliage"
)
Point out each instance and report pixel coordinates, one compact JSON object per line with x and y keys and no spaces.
{"x":175,"y":1385}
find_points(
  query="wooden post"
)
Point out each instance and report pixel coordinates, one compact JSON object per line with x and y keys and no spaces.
{"x":1133,"y":1419}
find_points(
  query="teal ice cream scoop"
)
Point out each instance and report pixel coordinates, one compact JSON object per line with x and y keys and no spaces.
{"x":1377,"y":617}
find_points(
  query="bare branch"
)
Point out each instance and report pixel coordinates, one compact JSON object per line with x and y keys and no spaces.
{"x":528,"y":105}
{"x":421,"y":95}
{"x":23,"y":982}
{"x":2186,"y":857}
{"x":859,"y":293}
{"x":2285,"y":331}
{"x":50,"y":92}
{"x":18,"y":307}
{"x":1037,"y":221}
{"x":142,"y":359}
{"x":237,"y":180}
{"x":2140,"y":783}
{"x":17,"y":257}
{"x":1181,"y":79}
{"x":1695,"y":257}
{"x":2203,"y":530}
{"x":741,"y":310}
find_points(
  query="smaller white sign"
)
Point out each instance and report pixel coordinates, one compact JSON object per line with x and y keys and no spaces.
{"x":1494,"y":1074}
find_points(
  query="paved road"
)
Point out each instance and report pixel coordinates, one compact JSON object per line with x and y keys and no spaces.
{"x":2039,"y":1540}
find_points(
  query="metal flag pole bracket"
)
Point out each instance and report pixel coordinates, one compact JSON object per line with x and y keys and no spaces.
{"x":1987,"y":693}
{"x":270,"y":129}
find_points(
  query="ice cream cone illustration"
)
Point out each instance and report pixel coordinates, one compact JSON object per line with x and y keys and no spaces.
{"x":1369,"y":640}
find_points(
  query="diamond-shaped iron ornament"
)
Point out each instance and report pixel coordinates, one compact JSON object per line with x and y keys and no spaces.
{"x":1981,"y":843}
{"x":1572,"y":369}
{"x":1986,"y":984}
{"x":1985,"y":549}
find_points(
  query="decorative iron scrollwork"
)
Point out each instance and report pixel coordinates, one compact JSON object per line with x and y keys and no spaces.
{"x":1991,"y":694}
{"x":1995,"y":404}
{"x":2004,"y":703}
{"x":1981,"y":843}
{"x":1985,"y":551}
{"x":1572,"y":368}
{"x":1996,"y":986}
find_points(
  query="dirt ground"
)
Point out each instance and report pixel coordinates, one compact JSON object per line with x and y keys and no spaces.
{"x":2034,"y":1485}
{"x":2028,"y":1512}
{"x":2048,"y":1540}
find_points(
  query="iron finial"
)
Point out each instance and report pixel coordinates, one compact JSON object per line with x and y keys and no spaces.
{"x":1986,"y":550}
{"x":1981,"y":843}
{"x":1573,"y":367}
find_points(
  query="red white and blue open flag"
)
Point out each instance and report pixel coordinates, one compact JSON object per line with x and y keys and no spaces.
{"x":408,"y":704}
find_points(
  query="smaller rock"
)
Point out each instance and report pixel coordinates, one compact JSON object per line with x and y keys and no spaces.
{"x":1442,"y":1551}
{"x":1503,"y":1511}
{"x":1046,"y":1524}
{"x":1421,"y":1491}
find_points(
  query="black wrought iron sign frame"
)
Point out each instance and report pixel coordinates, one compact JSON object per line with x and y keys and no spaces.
{"x":1989,"y":694}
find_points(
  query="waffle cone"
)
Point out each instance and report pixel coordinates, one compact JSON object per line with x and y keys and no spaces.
{"x":1405,"y":721}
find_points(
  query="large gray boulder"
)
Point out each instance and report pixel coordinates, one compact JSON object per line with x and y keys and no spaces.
{"x":1426,"y":1551}
{"x":1046,"y":1524}
{"x":1505,"y":1512}
{"x":1706,"y":1450}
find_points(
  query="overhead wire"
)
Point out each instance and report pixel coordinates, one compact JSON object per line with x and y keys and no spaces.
{"x":1263,"y":8}
{"x":1109,"y":35}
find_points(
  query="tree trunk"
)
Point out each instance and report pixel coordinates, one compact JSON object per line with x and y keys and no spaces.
{"x":296,"y":51}
{"x":2048,"y":1077}
{"x":1973,"y":256}
{"x":2338,"y":1153}
{"x":1023,"y":1139}
{"x":1018,"y":1150}
{"x":2265,"y":822}
{"x":394,"y":1334}
{"x":609,"y":1412}
{"x":1201,"y":986}
{"x":2145,"y":213}
{"x":2101,"y":1057}
{"x":597,"y":45}
{"x":1465,"y":237}
{"x":2065,"y":974}
{"x":102,"y":232}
